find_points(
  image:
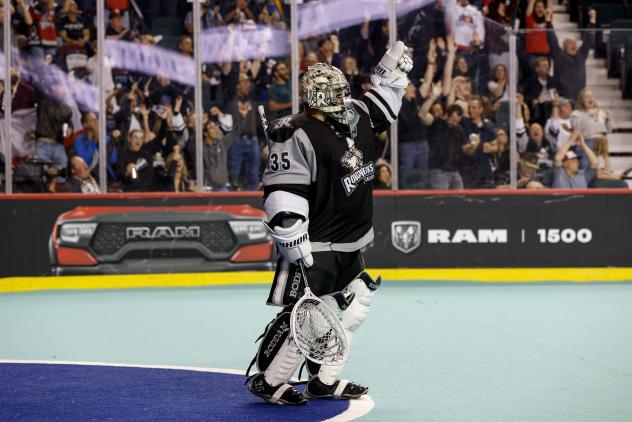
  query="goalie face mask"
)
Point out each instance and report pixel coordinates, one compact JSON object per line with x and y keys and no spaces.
{"x":326,"y":89}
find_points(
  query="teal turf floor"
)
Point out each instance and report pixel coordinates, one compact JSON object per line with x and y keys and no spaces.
{"x":429,"y":351}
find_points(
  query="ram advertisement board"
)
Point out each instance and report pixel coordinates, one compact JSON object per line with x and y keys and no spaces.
{"x":120,"y":234}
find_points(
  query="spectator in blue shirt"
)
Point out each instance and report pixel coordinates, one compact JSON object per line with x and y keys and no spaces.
{"x":87,"y":144}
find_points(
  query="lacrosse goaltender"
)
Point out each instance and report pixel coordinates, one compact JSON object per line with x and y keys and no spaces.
{"x":319,"y":200}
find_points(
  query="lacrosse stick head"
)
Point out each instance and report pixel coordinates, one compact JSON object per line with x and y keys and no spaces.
{"x":317,"y":331}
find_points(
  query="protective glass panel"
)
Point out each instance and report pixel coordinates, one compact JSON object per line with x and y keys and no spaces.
{"x":245,"y":58}
{"x":149,"y":79}
{"x":53,"y":62}
{"x":5,"y":145}
{"x":452,"y":130}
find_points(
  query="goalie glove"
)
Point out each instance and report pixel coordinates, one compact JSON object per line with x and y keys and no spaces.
{"x":293,"y":242}
{"x":392,"y":70}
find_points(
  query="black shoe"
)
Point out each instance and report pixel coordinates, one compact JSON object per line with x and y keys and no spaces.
{"x":342,"y":389}
{"x":288,"y":394}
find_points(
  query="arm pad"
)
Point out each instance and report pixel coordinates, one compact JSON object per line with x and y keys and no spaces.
{"x":291,"y":236}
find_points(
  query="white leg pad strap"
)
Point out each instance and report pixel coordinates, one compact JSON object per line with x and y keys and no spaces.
{"x":279,"y":392}
{"x":341,"y":388}
{"x":284,"y":364}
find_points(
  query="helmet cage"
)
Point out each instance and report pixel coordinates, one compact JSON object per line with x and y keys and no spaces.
{"x":326,"y":89}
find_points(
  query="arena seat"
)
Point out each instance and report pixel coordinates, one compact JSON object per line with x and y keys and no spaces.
{"x":607,"y":13}
{"x":616,"y":42}
{"x":169,"y":26}
{"x":626,"y":70}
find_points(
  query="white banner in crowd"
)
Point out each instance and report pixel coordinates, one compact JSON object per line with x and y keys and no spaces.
{"x":224,"y":44}
{"x":150,"y":60}
{"x":322,"y":17}
{"x":234,"y":43}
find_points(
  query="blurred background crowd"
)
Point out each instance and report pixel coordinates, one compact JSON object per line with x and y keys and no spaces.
{"x":452,"y":131}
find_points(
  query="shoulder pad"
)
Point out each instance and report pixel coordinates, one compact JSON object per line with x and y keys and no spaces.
{"x":282,"y":129}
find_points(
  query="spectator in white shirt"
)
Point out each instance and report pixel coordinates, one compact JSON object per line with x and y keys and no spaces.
{"x":468,"y":30}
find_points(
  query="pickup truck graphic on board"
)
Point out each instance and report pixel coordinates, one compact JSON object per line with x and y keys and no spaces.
{"x":133,"y":240}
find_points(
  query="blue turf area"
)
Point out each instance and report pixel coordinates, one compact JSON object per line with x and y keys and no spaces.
{"x":76,"y":392}
{"x":430,"y":351}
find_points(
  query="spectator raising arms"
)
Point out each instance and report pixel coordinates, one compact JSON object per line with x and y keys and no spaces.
{"x":280,"y":93}
{"x":567,"y":173}
{"x":570,"y":61}
{"x":244,"y":154}
{"x":536,"y":43}
{"x":446,"y":141}
{"x":42,"y":21}
{"x":413,"y":142}
{"x":468,"y":31}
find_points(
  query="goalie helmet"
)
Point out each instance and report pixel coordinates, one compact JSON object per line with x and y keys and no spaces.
{"x":326,"y":89}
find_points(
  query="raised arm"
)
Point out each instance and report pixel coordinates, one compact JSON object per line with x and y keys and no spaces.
{"x":449,"y":66}
{"x":24,"y":9}
{"x":149,"y":135}
{"x":551,"y":35}
{"x":431,"y":68}
{"x":384,"y":100}
{"x":521,"y":128}
{"x":424,"y":112}
{"x":530,"y":6}
{"x":592,"y":158}
{"x":559,"y":157}
{"x":588,"y":37}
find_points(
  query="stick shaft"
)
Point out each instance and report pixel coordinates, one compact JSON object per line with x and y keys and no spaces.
{"x":264,"y":123}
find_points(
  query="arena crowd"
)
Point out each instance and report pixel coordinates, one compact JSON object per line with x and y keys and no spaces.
{"x":452,"y":129}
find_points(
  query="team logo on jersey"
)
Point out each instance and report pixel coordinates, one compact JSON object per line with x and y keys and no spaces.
{"x":406,"y":235}
{"x":360,"y":173}
{"x":352,"y":159}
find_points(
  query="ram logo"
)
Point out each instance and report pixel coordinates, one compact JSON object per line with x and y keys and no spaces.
{"x":162,"y":232}
{"x":406,"y":235}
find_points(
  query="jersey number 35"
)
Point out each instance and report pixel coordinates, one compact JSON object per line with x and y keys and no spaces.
{"x":282,"y":164}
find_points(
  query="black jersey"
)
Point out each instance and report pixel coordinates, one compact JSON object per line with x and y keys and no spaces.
{"x":317,"y":172}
